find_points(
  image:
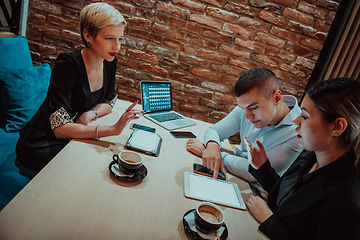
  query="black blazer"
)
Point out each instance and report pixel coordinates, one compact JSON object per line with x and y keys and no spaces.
{"x":326,"y":207}
{"x":69,"y":89}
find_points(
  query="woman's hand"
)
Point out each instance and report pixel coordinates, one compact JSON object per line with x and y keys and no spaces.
{"x":258,"y":208}
{"x":127,"y":116}
{"x":258,"y":155}
{"x":86,"y":117}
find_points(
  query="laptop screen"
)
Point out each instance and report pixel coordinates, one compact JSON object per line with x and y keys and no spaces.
{"x":156,"y":96}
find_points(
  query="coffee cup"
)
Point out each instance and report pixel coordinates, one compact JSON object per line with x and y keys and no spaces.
{"x":129,"y":160}
{"x":208,"y":217}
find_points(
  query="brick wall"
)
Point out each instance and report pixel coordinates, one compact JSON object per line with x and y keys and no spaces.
{"x":201,"y":46}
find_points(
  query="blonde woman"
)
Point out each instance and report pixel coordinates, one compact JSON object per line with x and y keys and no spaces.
{"x":82,"y":88}
{"x":318,"y":197}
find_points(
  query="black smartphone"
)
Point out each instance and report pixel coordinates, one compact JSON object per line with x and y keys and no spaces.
{"x":142,"y":127}
{"x":177,"y":134}
{"x":200,"y":169}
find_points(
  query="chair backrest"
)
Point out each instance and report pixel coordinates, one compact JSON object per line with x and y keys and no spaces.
{"x":15,"y":53}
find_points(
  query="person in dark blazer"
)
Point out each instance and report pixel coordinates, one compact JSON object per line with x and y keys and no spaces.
{"x":318,"y":197}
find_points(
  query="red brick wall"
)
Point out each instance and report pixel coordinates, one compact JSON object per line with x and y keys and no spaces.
{"x":201,"y":46}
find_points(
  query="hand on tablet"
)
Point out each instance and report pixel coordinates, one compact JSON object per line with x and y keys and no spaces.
{"x":212,"y":159}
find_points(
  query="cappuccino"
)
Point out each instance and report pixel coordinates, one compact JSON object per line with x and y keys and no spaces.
{"x":208,"y":216}
{"x":129,"y":160}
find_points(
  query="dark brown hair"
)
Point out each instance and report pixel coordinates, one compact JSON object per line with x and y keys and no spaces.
{"x":336,"y":98}
{"x":261,"y":78}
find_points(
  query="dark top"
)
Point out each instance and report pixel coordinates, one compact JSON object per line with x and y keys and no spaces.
{"x":324,"y":204}
{"x":96,"y":96}
{"x":68,"y":97}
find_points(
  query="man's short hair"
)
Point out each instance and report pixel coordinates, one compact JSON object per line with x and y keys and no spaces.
{"x":261,"y":78}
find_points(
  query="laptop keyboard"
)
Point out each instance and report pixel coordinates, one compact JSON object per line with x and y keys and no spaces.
{"x":165,"y":117}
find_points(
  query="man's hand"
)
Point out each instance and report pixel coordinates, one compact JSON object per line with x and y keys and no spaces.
{"x":195,"y":146}
{"x":258,"y":208}
{"x":212,"y":159}
{"x":258,"y":155}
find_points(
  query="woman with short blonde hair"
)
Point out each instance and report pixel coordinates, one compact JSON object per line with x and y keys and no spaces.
{"x":82,"y":88}
{"x":95,"y":16}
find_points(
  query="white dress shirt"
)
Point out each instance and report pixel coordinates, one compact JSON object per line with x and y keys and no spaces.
{"x":280,"y":141}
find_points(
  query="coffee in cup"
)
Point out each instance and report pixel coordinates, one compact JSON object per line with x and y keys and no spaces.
{"x":208,"y":217}
{"x":129,"y":160}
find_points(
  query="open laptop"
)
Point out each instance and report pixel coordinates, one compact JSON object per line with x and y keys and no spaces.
{"x":156,"y":100}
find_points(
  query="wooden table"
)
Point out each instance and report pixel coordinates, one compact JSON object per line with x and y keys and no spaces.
{"x":74,"y":197}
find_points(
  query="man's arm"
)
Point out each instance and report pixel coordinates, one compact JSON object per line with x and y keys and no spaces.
{"x":282,"y":156}
{"x":223,"y":129}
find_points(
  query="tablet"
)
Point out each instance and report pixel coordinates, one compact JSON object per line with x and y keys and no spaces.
{"x":216,"y":191}
{"x":146,"y":142}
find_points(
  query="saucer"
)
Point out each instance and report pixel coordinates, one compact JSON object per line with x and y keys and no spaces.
{"x":195,"y":233}
{"x":124,"y":175}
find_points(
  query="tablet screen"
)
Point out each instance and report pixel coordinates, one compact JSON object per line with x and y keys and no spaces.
{"x":217,"y":191}
{"x":144,"y":140}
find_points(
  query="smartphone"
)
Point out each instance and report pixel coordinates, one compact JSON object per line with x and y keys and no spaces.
{"x":177,"y":134}
{"x":200,"y":169}
{"x":142,"y":127}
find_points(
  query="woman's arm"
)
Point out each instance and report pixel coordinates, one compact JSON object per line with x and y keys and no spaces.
{"x":258,"y":208}
{"x":274,"y":228}
{"x":77,"y":130}
{"x":101,"y":109}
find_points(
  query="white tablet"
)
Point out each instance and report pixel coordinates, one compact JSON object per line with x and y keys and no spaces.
{"x":146,"y":142}
{"x":216,"y":191}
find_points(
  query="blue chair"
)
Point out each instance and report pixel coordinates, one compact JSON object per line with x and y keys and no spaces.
{"x":22,"y":90}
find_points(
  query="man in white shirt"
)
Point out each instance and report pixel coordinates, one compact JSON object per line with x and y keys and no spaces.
{"x":262,"y":114}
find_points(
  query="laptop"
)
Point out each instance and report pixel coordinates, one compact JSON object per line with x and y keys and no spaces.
{"x":156,"y":100}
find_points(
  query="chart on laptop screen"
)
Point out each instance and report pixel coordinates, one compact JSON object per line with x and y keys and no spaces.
{"x":156,"y":97}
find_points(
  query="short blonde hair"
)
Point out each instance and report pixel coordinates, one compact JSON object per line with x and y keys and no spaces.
{"x":95,"y":16}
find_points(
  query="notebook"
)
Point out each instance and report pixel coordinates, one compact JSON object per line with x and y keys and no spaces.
{"x":156,"y":100}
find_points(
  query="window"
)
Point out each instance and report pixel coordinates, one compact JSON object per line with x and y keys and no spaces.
{"x":13,"y":16}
